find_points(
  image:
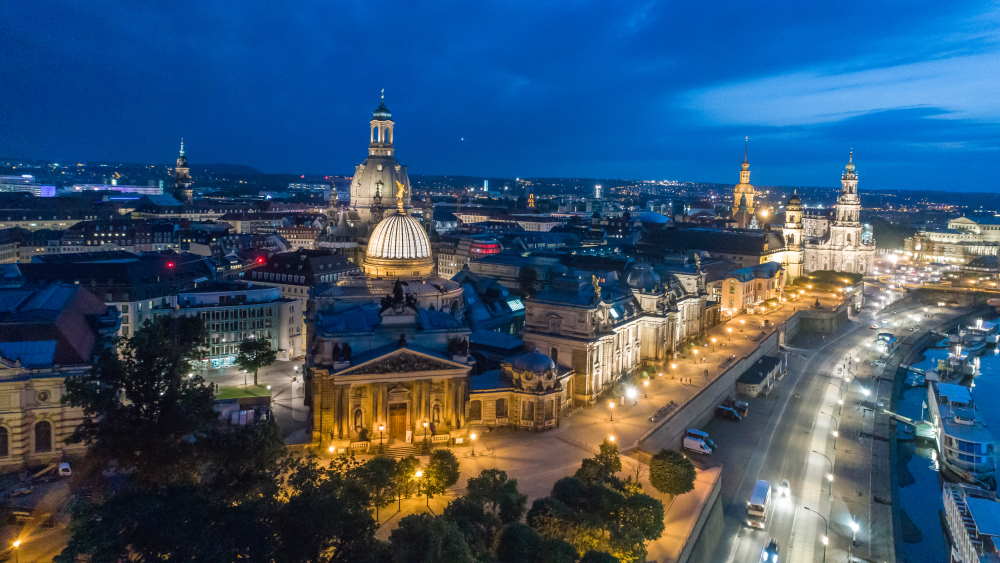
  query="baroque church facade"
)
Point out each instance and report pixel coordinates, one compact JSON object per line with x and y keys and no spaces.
{"x":812,"y":242}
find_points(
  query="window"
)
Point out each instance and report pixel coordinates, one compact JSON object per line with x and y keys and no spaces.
{"x":549,"y":410}
{"x":475,"y":410}
{"x":528,"y":411}
{"x":436,"y":414}
{"x":43,"y":436}
{"x":554,"y":354}
{"x":358,"y":418}
{"x":4,"y":443}
{"x":501,"y":408}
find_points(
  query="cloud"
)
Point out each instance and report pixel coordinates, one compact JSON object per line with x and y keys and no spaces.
{"x":963,"y":87}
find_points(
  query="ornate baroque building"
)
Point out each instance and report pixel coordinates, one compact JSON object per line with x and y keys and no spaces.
{"x":183,"y":184}
{"x":842,"y":248}
{"x":378,"y":178}
{"x":744,"y":194}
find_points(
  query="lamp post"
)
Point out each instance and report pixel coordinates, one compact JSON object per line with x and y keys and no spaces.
{"x":729,"y":335}
{"x":829,"y":476}
{"x":425,"y":424}
{"x":418,"y":475}
{"x":612,"y":438}
{"x":645,"y":388}
{"x":472,"y":438}
{"x":825,"y":540}
{"x":611,"y":409}
{"x":381,"y":440}
{"x":714,"y":341}
{"x":632,"y":395}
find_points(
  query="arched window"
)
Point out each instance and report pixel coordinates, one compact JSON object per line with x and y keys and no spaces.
{"x":554,"y":354}
{"x":4,"y":442}
{"x":436,"y":414}
{"x":43,"y":436}
{"x":358,"y":418}
{"x":475,"y":410}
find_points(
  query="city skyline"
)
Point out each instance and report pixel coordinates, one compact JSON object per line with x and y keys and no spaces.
{"x":518,"y":90}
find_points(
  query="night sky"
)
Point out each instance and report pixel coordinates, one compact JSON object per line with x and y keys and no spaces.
{"x":534,"y":88}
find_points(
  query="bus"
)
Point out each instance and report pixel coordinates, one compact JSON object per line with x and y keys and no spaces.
{"x":759,"y":505}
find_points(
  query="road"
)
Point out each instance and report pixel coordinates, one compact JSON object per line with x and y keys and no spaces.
{"x":795,"y":434}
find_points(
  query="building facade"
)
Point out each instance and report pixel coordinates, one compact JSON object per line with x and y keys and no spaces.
{"x":842,"y":248}
{"x":46,"y":335}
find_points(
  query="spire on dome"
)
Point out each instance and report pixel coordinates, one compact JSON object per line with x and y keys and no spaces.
{"x":181,"y":152}
{"x":850,"y":161}
{"x":746,"y":149}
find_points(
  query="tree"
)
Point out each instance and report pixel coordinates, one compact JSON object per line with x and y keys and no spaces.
{"x":598,"y":557}
{"x":171,"y":481}
{"x":527,"y":280}
{"x":422,"y":538}
{"x":404,"y":480}
{"x":478,"y":525}
{"x":441,"y":473}
{"x":671,"y":472}
{"x":498,"y":493}
{"x":378,"y":478}
{"x":255,"y":354}
{"x":637,"y":520}
{"x":602,"y":467}
{"x":521,"y":544}
{"x":144,"y":410}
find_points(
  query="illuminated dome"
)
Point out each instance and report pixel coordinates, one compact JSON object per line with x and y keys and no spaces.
{"x":398,"y":248}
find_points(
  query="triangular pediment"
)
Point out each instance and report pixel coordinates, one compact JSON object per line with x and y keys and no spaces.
{"x":403,"y":360}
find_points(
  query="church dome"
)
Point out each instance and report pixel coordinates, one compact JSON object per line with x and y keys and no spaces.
{"x":794,"y":199}
{"x":535,"y":361}
{"x":382,"y":113}
{"x":398,"y":247}
{"x":643,"y":277}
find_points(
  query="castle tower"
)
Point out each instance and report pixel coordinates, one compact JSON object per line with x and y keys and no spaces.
{"x":182,"y":178}
{"x":744,"y":192}
{"x":792,"y":233}
{"x":377,"y":176}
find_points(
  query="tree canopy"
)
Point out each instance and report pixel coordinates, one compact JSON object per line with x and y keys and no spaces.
{"x":671,"y":472}
{"x":255,"y":353}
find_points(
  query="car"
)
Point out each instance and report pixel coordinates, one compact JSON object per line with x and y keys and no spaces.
{"x":770,"y":553}
{"x":784,"y":489}
{"x":65,"y":470}
{"x":730,"y":413}
{"x":873,"y":326}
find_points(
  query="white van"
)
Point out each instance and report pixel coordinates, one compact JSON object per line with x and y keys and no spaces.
{"x":698,"y":441}
{"x":759,"y":505}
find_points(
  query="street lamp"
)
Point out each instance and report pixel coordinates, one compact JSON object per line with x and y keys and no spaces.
{"x":729,"y":334}
{"x":714,"y":340}
{"x":645,"y":388}
{"x":612,"y":438}
{"x":16,"y":546}
{"x":381,"y":441}
{"x":472,"y":438}
{"x":854,"y":526}
{"x":611,"y":409}
{"x":632,"y":395}
{"x":425,"y":424}
{"x":825,"y":539}
{"x":829,"y":476}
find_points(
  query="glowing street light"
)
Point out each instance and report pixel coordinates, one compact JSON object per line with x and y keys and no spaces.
{"x":16,"y":546}
{"x":611,"y":409}
{"x":632,"y":395}
{"x":612,"y":438}
{"x":330,"y":449}
{"x":472,"y":438}
{"x":645,"y":388}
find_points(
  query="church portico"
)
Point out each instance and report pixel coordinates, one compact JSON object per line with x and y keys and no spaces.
{"x":397,"y":390}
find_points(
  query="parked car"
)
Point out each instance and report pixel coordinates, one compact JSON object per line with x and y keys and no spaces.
{"x":741,"y":407}
{"x":730,"y":413}
{"x":65,"y":470}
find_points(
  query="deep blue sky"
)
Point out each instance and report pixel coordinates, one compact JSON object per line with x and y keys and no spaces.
{"x":535,"y":88}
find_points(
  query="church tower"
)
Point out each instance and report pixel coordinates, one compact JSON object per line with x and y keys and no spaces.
{"x":845,"y":230}
{"x":182,"y":178}
{"x":377,"y":177}
{"x":792,"y":232}
{"x":744,"y":193}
